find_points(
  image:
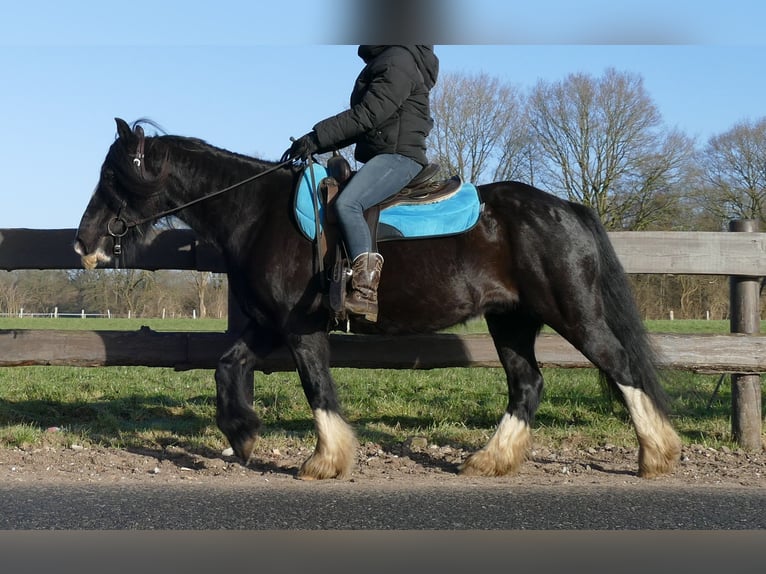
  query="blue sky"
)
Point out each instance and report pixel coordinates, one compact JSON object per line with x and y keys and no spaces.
{"x":248,"y":75}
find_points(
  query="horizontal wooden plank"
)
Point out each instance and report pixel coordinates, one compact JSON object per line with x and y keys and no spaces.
{"x":700,"y":253}
{"x":54,"y":249}
{"x":37,"y":249}
{"x":679,"y":252}
{"x":705,"y":353}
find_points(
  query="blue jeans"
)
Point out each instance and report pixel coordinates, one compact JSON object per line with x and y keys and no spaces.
{"x":377,"y":180}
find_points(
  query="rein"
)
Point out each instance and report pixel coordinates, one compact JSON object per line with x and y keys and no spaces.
{"x":118,"y":227}
{"x":125,"y":225}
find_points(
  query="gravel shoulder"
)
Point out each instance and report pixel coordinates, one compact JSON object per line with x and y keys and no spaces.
{"x":413,"y":464}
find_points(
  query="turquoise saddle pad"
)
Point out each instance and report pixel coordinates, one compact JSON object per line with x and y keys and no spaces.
{"x":455,"y":215}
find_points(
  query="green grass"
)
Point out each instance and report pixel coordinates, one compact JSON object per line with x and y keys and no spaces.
{"x":98,"y":324}
{"x":696,"y":326}
{"x":143,"y":407}
{"x":474,"y":326}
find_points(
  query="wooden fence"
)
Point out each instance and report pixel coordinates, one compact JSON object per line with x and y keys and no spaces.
{"x":741,"y":256}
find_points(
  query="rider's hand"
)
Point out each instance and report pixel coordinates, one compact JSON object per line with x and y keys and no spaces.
{"x":302,"y":148}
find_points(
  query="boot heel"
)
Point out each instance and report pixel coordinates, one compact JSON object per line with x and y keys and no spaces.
{"x":372,"y":318}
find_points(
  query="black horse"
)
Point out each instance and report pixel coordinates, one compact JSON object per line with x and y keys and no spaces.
{"x":532,"y":259}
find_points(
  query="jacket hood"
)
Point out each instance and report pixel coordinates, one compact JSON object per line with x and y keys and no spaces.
{"x":427,"y":62}
{"x":424,"y":56}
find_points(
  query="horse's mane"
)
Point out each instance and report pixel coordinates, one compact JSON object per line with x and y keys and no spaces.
{"x":190,"y":150}
{"x":148,"y":122}
{"x":194,"y":144}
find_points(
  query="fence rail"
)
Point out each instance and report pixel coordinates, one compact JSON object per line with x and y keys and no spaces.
{"x":656,"y":252}
{"x":201,"y":350}
{"x":741,"y":256}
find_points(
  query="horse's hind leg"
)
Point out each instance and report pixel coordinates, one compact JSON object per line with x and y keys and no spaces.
{"x":233,"y":377}
{"x":638,"y":382}
{"x":514,"y":336}
{"x":659,"y":445}
{"x":336,"y":447}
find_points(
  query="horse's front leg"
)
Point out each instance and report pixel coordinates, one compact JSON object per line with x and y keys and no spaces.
{"x":235,"y":416}
{"x":335,"y":452}
{"x":508,"y":448}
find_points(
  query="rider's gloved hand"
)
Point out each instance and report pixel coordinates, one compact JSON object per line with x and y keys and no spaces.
{"x":302,"y":148}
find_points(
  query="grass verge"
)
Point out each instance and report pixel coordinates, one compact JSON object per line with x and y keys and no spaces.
{"x":143,"y":407}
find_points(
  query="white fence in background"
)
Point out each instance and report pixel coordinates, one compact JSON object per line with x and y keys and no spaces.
{"x":22,"y":314}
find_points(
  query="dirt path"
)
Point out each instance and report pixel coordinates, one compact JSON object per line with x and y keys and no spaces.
{"x":423,"y":465}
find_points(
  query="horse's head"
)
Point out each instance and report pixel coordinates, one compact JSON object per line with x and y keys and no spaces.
{"x":128,"y":192}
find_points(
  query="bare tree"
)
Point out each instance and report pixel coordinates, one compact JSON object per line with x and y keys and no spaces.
{"x":734,"y":173}
{"x":116,"y":290}
{"x":477,"y":126}
{"x":520,"y":157}
{"x":40,"y":291}
{"x":10,"y":296}
{"x":201,"y":281}
{"x":604,"y":146}
{"x":219,"y":295}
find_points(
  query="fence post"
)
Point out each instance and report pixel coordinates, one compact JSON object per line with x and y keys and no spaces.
{"x":745,"y":317}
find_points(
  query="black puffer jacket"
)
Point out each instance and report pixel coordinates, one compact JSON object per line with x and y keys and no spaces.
{"x":390,"y":111}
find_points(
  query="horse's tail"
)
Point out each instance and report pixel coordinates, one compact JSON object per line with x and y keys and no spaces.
{"x":622,"y":316}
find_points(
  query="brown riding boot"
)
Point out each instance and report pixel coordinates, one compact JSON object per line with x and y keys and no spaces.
{"x":363,"y":299}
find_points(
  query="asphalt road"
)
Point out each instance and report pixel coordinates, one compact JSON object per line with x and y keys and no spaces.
{"x":341,"y":527}
{"x":344,"y":506}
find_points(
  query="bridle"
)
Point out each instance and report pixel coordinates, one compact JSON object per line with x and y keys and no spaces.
{"x":118,"y":227}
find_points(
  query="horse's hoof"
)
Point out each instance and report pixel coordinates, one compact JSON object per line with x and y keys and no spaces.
{"x":481,"y":463}
{"x":243,"y":449}
{"x":242,"y":433}
{"x":321,"y":468}
{"x":653,"y":465}
{"x":659,"y":456}
{"x":242,"y":442}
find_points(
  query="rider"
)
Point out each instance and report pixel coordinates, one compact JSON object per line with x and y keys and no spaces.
{"x":389,"y":119}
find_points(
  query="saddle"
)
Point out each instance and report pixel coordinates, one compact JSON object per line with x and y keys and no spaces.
{"x":421,"y":189}
{"x":330,"y":181}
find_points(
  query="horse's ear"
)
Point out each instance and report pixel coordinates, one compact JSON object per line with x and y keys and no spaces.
{"x":123,"y":129}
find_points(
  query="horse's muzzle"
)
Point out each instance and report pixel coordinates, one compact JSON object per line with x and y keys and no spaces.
{"x":89,"y":260}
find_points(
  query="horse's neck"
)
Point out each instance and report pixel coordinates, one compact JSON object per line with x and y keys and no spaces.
{"x":223,"y":211}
